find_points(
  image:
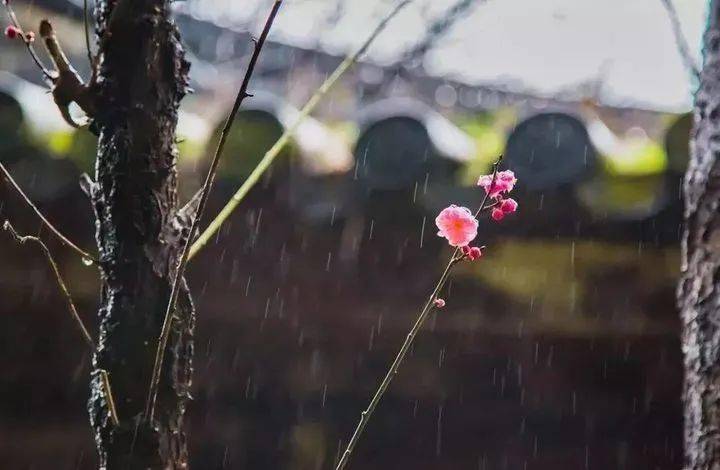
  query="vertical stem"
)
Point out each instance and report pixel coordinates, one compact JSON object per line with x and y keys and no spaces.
{"x":365,"y":415}
{"x":205,"y":193}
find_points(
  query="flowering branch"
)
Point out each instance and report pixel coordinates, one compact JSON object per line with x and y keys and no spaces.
{"x":459,"y":226}
{"x":66,"y":85}
{"x":205,"y":192}
{"x":16,"y":30}
{"x":280,"y":144}
{"x":87,"y":257}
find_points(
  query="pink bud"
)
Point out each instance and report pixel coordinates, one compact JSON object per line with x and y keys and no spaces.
{"x":474,"y":253}
{"x":30,"y":36}
{"x":11,"y":32}
{"x":509,"y":206}
{"x":497,"y":214}
{"x":439,"y":303}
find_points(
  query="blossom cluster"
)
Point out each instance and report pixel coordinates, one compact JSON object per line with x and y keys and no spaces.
{"x":460,"y":226}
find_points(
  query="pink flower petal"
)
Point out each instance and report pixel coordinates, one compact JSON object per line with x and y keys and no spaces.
{"x":457,"y":224}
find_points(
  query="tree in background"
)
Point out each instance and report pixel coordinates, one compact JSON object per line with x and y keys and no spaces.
{"x":699,"y":288}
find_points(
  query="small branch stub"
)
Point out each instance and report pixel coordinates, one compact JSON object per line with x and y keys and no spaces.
{"x":67,"y":87}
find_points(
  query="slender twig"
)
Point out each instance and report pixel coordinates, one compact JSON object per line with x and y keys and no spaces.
{"x":28,"y":42}
{"x":438,"y":28}
{"x":280,"y":144}
{"x":85,"y":255}
{"x":22,"y":239}
{"x":483,"y":205}
{"x":427,"y":308}
{"x":680,"y":40}
{"x":109,"y":399}
{"x":207,"y":186}
{"x":87,"y":35}
{"x":7,"y":226}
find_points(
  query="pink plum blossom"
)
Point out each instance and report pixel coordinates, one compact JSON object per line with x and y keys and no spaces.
{"x":474,"y":253}
{"x":497,"y":214}
{"x":503,"y":184}
{"x":471,"y":252}
{"x":439,"y":303}
{"x":503,"y":208}
{"x":508,"y":206}
{"x":457,"y":224}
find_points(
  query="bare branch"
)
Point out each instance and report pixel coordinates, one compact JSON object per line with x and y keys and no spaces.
{"x":68,"y":87}
{"x":207,"y":187}
{"x":109,"y":399}
{"x":7,"y":226}
{"x":280,"y":144}
{"x":91,"y":60}
{"x":680,"y":41}
{"x":438,"y":28}
{"x":87,"y":257}
{"x":22,"y":239}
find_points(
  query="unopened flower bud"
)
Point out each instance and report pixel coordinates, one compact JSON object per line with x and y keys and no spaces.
{"x":11,"y":32}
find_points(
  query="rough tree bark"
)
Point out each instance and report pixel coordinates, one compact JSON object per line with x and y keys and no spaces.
{"x":699,"y":288}
{"x":142,"y":78}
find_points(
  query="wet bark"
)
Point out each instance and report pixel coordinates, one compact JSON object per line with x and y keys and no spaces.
{"x":142,"y":78}
{"x":699,"y":288}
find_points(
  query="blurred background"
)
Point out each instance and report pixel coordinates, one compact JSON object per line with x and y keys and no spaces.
{"x":558,"y":350}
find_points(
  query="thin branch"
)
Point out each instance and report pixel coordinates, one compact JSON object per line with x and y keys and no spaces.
{"x":275,"y":150}
{"x":109,"y":399}
{"x":7,"y":226}
{"x":87,"y":36}
{"x":439,"y":28}
{"x":209,"y":180}
{"x":680,"y":40}
{"x":28,"y":42}
{"x":87,"y":257}
{"x":22,"y":239}
{"x":427,"y":308}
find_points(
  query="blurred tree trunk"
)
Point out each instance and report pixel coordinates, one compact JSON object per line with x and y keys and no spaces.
{"x":142,"y":78}
{"x":699,"y":288}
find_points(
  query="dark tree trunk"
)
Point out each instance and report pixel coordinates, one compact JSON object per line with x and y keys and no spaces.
{"x":142,"y":78}
{"x":699,"y":289}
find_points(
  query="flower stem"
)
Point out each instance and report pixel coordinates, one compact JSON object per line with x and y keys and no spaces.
{"x":205,"y":193}
{"x":454,"y":259}
{"x":365,"y":416}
